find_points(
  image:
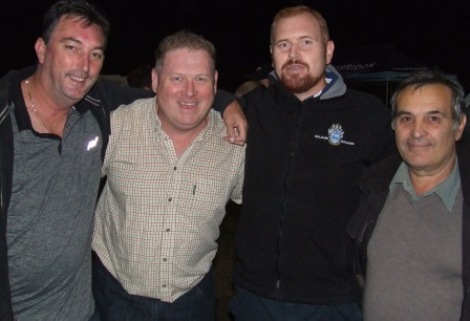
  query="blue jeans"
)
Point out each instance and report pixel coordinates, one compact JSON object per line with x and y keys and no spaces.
{"x":247,"y":306}
{"x":113,"y":303}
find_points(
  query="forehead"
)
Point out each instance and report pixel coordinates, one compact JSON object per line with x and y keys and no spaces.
{"x":435,"y":97}
{"x":297,"y":26}
{"x":75,"y":27}
{"x":187,"y":59}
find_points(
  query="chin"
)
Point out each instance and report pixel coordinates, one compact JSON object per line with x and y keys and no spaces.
{"x":299,"y":85}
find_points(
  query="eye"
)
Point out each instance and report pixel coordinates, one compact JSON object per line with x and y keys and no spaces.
{"x":283,"y":45}
{"x":434,"y":119}
{"x":97,"y":55}
{"x":202,"y":79}
{"x":306,"y":42}
{"x":71,"y":47}
{"x":404,"y":119}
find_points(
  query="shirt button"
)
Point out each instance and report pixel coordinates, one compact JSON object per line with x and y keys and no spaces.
{"x":167,"y":230}
{"x":164,"y":286}
{"x":169,"y":200}
{"x":164,"y":260}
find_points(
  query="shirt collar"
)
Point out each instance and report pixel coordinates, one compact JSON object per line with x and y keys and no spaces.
{"x":21,"y":113}
{"x":447,"y":190}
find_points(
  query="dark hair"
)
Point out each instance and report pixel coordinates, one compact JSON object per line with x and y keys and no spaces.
{"x":183,"y":39}
{"x":431,"y":77}
{"x":80,"y":9}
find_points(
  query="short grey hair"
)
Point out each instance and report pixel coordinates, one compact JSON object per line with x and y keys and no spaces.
{"x":427,"y":77}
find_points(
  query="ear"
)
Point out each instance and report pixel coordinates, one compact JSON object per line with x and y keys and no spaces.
{"x":461,"y":127}
{"x":154,"y":80}
{"x":330,"y":48}
{"x":216,"y":76}
{"x":40,"y":48}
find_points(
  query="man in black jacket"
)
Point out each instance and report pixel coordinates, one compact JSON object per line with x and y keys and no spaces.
{"x":310,"y":139}
{"x":412,"y":227}
{"x":53,"y":132}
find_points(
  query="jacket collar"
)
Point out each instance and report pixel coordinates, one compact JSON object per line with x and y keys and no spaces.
{"x":379,"y":176}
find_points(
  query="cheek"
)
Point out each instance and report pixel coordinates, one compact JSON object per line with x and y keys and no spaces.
{"x":207,"y":91}
{"x":166,"y":89}
{"x":96,"y":66}
{"x":278,"y":61}
{"x":55,"y":60}
{"x":318,"y":64}
{"x":447,"y":140}
{"x":401,"y":137}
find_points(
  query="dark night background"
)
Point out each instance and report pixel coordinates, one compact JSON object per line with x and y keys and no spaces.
{"x":434,"y":33}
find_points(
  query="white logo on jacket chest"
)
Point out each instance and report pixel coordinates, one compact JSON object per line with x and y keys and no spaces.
{"x":335,"y":136}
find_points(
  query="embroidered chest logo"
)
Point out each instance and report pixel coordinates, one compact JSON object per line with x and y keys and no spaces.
{"x":335,"y":134}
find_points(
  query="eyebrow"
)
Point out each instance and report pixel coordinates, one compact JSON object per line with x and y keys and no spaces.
{"x":300,"y":38}
{"x":431,"y":112}
{"x":63,"y":40}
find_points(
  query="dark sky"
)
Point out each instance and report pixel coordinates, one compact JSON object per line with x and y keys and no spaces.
{"x":434,"y":33}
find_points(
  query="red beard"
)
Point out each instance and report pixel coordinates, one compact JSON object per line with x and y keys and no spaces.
{"x":295,"y":83}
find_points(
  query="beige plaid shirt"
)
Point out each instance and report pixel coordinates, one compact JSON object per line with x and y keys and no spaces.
{"x":157,"y":220}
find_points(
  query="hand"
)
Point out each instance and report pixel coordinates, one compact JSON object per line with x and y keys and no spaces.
{"x":236,"y":124}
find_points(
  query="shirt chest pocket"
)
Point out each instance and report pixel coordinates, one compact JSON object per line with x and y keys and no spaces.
{"x":204,"y":197}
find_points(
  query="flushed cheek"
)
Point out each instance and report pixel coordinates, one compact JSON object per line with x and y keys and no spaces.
{"x":95,"y":70}
{"x":92,"y":77}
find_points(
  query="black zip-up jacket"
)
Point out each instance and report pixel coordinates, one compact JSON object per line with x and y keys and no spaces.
{"x":374,"y":191}
{"x":303,"y":164}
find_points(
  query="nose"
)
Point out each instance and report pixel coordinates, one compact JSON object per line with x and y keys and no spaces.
{"x":85,"y":62}
{"x":294,"y":52}
{"x":418,"y":129}
{"x":190,"y":89}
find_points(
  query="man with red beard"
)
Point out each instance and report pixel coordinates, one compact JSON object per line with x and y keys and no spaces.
{"x":310,"y":140}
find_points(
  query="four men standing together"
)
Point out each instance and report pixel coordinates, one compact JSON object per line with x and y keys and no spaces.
{"x":307,"y":223}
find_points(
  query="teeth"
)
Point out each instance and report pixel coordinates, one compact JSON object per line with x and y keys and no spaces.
{"x":295,"y":67}
{"x":188,"y":104}
{"x":77,"y":78}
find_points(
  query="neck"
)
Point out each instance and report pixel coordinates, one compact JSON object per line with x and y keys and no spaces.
{"x":183,"y":139}
{"x":45,"y":115}
{"x":180,"y":137}
{"x":312,"y":91}
{"x":424,"y":180}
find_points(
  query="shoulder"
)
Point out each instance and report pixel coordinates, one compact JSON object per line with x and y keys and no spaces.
{"x":380,"y":174}
{"x":265,"y":97}
{"x":133,"y":110}
{"x":366,"y":98}
{"x":5,"y":83}
{"x":369,"y":106}
{"x":112,"y":95}
{"x":218,"y":131}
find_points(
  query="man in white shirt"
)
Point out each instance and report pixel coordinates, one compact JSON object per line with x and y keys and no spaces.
{"x":169,"y":174}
